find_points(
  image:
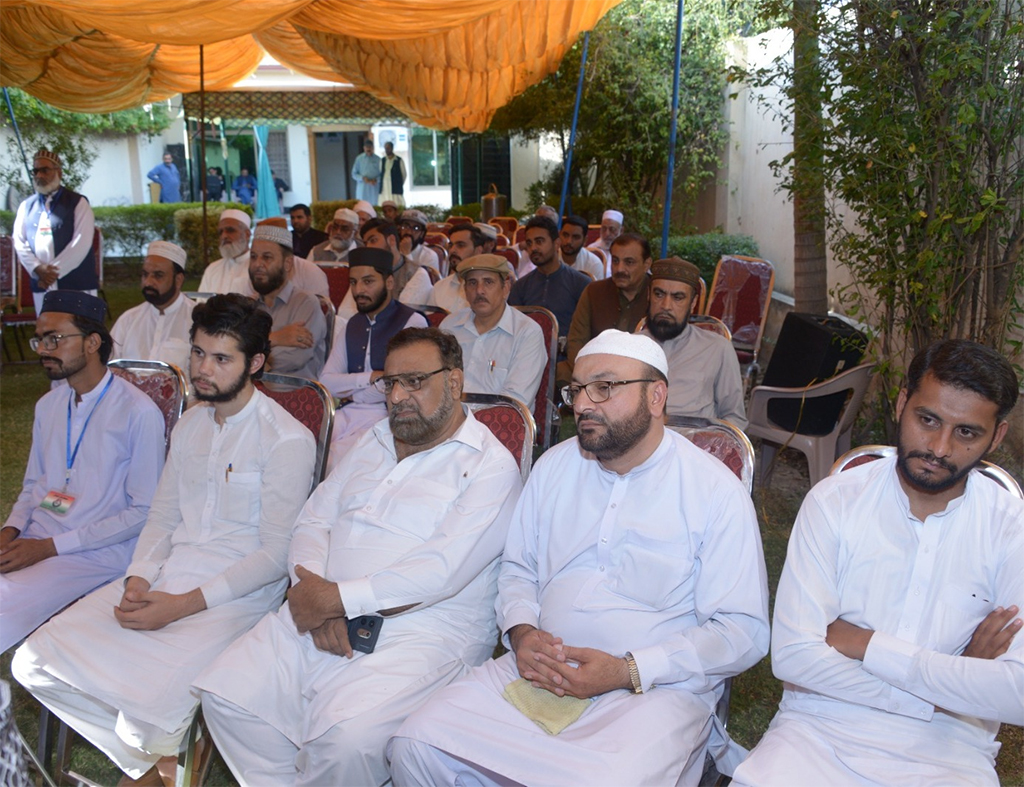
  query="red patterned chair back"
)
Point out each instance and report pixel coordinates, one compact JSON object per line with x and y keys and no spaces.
{"x":520,"y":235}
{"x":434,"y":315}
{"x":507,"y":225}
{"x":740,"y":295}
{"x":544,"y":410}
{"x":722,"y":440}
{"x":455,"y":220}
{"x":310,"y":404}
{"x":510,"y":421}
{"x":593,"y":234}
{"x":442,"y":261}
{"x":337,"y":280}
{"x":164,"y":383}
{"x":436,"y":226}
{"x":708,"y":323}
{"x":869,"y":453}
{"x":511,"y":254}
{"x":437,"y":239}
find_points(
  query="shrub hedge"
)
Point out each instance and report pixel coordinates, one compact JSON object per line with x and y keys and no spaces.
{"x":705,"y":250}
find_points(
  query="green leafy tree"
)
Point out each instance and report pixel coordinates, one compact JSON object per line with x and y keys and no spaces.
{"x":622,"y":135}
{"x":922,"y":149}
{"x":69,"y":134}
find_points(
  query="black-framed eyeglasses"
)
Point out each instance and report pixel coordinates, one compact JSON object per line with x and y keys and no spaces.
{"x":410,"y":382}
{"x":50,"y":341}
{"x":598,"y":390}
{"x":40,"y":170}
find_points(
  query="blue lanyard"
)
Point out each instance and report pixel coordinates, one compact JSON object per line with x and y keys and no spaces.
{"x":71,"y":455}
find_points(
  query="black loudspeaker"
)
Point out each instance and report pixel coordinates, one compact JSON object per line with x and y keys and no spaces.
{"x":811,"y":348}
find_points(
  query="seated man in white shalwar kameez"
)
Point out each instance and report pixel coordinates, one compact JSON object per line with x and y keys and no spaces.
{"x":632,"y":585}
{"x":409,"y":526}
{"x":896,"y":618}
{"x":210,"y":561}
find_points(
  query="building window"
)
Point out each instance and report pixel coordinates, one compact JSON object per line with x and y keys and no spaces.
{"x":430,"y":158}
{"x":277,"y":154}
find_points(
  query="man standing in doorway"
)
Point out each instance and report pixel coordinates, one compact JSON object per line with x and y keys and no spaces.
{"x":166,"y":176}
{"x":392,"y":176}
{"x":366,"y":173}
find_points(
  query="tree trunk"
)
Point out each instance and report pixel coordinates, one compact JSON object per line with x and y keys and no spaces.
{"x":810,"y":271}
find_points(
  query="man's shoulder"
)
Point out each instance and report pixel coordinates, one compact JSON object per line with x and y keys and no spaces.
{"x":133,"y":401}
{"x":457,"y":318}
{"x":283,"y":425}
{"x":130,"y":315}
{"x":523,"y":323}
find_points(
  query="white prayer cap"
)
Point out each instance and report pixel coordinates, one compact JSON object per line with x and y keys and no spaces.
{"x":346,"y":214}
{"x":237,"y":215}
{"x":168,"y":251}
{"x":273,"y":233}
{"x":364,"y":207}
{"x":628,"y":345}
{"x":487,"y":229}
{"x":389,"y":202}
{"x":612,"y":215}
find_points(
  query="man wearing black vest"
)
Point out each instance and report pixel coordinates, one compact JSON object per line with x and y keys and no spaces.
{"x":360,"y":343}
{"x":392,"y":177}
{"x":53,"y":233}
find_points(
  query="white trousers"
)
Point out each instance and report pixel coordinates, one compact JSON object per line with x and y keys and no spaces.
{"x":416,"y":763}
{"x":133,"y":745}
{"x":259,"y":755}
{"x":29,"y":597}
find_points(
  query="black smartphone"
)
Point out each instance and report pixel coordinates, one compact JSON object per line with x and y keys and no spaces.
{"x":363,"y":632}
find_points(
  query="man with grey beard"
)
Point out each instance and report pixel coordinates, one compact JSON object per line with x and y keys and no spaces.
{"x":53,"y":233}
{"x":341,"y":238}
{"x":231,"y":272}
{"x":403,"y":537}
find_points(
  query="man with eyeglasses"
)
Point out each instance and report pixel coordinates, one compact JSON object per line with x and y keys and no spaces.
{"x":360,"y":342}
{"x":97,"y":452}
{"x":412,"y":227}
{"x":53,"y":233}
{"x":631,"y":586}
{"x":408,"y":528}
{"x":341,"y":237}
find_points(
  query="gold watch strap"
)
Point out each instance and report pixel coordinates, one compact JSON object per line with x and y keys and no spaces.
{"x":634,"y":674}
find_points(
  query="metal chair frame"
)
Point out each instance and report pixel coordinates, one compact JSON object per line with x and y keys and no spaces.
{"x":988,"y":469}
{"x":545,"y":410}
{"x":158,"y":368}
{"x":688,"y":426}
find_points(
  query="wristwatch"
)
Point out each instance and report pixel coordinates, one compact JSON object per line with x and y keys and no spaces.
{"x":634,"y":674}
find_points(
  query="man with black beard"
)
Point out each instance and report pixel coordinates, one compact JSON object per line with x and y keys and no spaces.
{"x":209,"y":563}
{"x":97,"y":452}
{"x":53,"y":233}
{"x":231,"y":272}
{"x":297,"y":341}
{"x":897,"y":613}
{"x":157,"y":330}
{"x":407,"y":529}
{"x":703,"y":372}
{"x":412,"y":228}
{"x":631,"y":586}
{"x":358,"y":350}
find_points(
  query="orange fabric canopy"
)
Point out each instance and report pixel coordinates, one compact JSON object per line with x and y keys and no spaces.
{"x":444,"y":63}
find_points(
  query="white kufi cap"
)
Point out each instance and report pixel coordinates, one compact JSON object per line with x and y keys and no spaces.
{"x":346,"y":214}
{"x":279,"y":235}
{"x":628,"y":345}
{"x":168,"y":251}
{"x":237,"y":215}
{"x":365,"y":207}
{"x":612,"y":215}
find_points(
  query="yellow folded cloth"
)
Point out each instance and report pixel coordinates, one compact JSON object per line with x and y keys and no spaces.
{"x":549,"y":711}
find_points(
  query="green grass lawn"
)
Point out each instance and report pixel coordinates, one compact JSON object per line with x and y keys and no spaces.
{"x":755,"y":693}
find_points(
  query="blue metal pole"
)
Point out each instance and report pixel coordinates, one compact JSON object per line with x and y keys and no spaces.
{"x":670,"y":177}
{"x":572,"y":131}
{"x":17,"y":134}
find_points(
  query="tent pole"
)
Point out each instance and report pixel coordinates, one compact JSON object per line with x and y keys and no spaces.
{"x":17,"y":133}
{"x":572,"y":131}
{"x":202,"y":148}
{"x":669,"y":177}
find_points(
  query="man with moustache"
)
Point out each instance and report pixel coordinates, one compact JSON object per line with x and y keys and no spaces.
{"x":503,"y":350}
{"x":357,"y":353}
{"x":231,"y":272}
{"x":611,"y":228}
{"x":305,"y":275}
{"x":166,"y":176}
{"x":366,"y":174}
{"x":449,"y":293}
{"x":703,"y":371}
{"x":297,"y":344}
{"x":490,"y":236}
{"x":571,"y":239}
{"x":53,"y":233}
{"x":304,"y":235}
{"x":157,"y":330}
{"x":97,"y":451}
{"x":412,"y":282}
{"x":631,"y":586}
{"x":409,"y":526}
{"x":390,"y":210}
{"x":341,"y":237}
{"x":210,"y":561}
{"x":619,"y":301}
{"x":553,"y":285}
{"x":897,"y":613}
{"x":412,"y":228}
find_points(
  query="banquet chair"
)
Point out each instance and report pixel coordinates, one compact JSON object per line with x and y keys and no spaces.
{"x":311,"y":405}
{"x":740,"y":296}
{"x":545,"y":412}
{"x":164,"y":383}
{"x":510,"y":421}
{"x":869,"y":453}
{"x":337,"y":280}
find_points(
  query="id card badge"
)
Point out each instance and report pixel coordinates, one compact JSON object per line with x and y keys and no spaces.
{"x":57,"y":502}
